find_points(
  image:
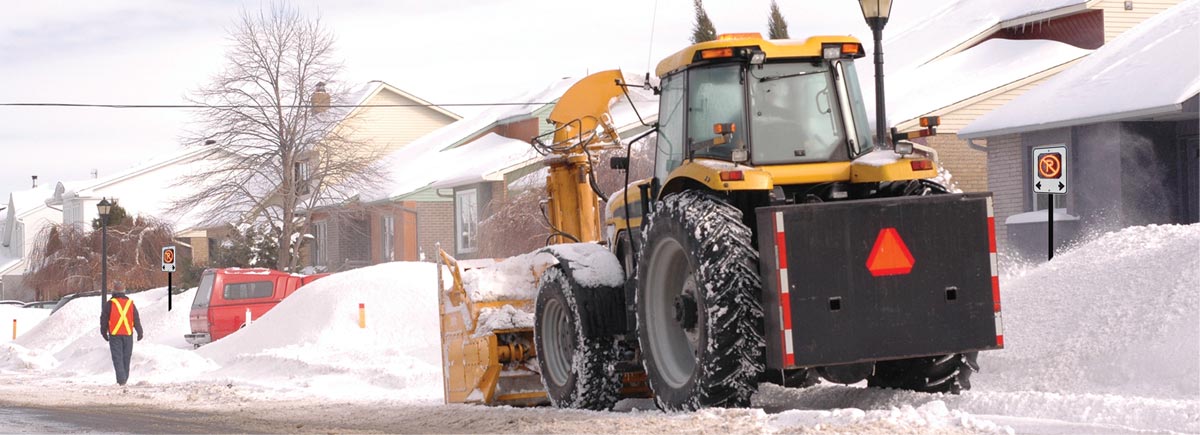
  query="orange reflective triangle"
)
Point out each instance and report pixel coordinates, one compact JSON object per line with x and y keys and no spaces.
{"x":889,"y":256}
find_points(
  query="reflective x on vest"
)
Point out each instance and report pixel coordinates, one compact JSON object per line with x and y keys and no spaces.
{"x":120,"y":320}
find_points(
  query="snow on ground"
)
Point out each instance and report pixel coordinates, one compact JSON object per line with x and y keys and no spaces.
{"x":1102,"y":339}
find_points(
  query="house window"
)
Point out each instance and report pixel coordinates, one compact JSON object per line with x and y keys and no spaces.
{"x":466,"y":212}
{"x":389,"y":236}
{"x":320,"y":243}
{"x":301,"y":178}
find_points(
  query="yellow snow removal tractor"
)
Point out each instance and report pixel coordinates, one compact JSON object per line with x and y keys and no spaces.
{"x":775,"y":241}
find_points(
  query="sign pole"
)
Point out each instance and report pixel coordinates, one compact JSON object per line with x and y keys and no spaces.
{"x":170,"y":295}
{"x":1050,"y":226}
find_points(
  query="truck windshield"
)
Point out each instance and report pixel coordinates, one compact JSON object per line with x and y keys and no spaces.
{"x":794,"y":114}
{"x":203,"y":291}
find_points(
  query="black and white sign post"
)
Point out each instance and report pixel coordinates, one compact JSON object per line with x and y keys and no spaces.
{"x":1050,"y":178}
{"x":168,"y":266}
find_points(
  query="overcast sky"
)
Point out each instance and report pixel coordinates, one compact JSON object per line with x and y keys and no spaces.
{"x":445,"y":51}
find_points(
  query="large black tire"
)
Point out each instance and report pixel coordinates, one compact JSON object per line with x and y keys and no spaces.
{"x":578,"y":371}
{"x":698,"y":309}
{"x":936,"y":374}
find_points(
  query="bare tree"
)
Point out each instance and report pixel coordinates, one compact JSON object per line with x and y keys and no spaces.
{"x":66,"y":258}
{"x":275,"y":120}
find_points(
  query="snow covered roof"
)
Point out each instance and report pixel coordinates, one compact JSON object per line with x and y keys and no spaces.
{"x":961,"y":21}
{"x":1149,"y":70}
{"x":990,"y":65}
{"x":146,"y":189}
{"x":24,"y":201}
{"x":484,"y":159}
{"x":411,"y":167}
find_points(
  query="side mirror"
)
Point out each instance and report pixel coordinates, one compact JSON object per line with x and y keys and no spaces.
{"x":619,"y":163}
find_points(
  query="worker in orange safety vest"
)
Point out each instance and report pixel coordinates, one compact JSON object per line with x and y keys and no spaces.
{"x":118,"y":320}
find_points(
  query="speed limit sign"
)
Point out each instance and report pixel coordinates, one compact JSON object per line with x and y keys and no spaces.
{"x":168,"y":259}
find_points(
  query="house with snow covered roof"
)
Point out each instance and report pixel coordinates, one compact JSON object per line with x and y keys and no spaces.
{"x":1129,"y":115}
{"x":439,"y":187}
{"x":973,"y":56}
{"x":25,"y":215}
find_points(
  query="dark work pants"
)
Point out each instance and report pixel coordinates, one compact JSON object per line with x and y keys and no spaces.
{"x":121,"y":347}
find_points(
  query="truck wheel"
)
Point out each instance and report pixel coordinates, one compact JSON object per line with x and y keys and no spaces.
{"x":577,"y":371}
{"x":936,"y":374}
{"x":698,"y":309}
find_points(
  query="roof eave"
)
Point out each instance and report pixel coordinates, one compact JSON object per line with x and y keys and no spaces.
{"x":1108,"y":117}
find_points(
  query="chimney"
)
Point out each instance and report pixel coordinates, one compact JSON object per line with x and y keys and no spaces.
{"x":35,"y":181}
{"x":320,"y":99}
{"x":95,"y":173}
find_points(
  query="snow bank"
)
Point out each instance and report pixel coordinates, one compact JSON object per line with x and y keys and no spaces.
{"x":68,"y":345}
{"x":26,"y":319}
{"x":1119,"y":315}
{"x":312,"y":343}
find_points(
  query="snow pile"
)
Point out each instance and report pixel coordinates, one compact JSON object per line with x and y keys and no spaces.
{"x":312,"y":343}
{"x":68,"y":344}
{"x":26,"y":319}
{"x":1119,"y":315}
{"x":506,"y":317}
{"x":591,"y":265}
{"x":514,"y":278}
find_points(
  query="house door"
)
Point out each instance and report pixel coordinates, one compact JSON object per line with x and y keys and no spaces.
{"x":1191,"y":181}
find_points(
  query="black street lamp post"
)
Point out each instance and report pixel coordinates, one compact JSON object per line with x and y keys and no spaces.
{"x":876,"y":13}
{"x":104,"y":207}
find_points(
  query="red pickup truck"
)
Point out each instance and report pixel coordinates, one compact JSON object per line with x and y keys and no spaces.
{"x":225,"y":296}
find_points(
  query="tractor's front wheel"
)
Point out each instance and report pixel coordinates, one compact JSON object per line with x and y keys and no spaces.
{"x":698,"y":310}
{"x":578,"y":371}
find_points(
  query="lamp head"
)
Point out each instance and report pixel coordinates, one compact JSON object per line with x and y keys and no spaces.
{"x":104,"y":207}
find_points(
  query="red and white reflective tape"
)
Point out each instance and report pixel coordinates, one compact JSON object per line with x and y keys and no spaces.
{"x":785,"y":302}
{"x":991,"y":223}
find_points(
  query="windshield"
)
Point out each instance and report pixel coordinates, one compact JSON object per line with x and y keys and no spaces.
{"x":795,"y":115}
{"x":204,"y":291}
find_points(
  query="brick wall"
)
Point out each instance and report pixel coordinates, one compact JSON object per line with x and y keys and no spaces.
{"x":968,"y":166}
{"x":435,"y":224}
{"x":1006,"y":180}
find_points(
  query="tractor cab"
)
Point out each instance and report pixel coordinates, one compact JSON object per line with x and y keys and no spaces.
{"x":757,"y":102}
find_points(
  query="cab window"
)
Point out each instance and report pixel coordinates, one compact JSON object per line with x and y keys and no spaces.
{"x":249,"y":290}
{"x":715,"y":96}
{"x":668,"y":153}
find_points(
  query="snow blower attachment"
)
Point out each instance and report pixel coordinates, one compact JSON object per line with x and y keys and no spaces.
{"x":487,"y":345}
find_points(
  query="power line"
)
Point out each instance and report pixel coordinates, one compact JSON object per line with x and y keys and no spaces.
{"x":251,"y":106}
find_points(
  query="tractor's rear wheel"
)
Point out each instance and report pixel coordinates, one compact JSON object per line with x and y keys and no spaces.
{"x":935,"y":374}
{"x":578,"y":371}
{"x":698,"y":310}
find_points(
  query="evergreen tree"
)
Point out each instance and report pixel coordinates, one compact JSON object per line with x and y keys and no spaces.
{"x":116,"y":216}
{"x":776,"y":25}
{"x":703,"y":30}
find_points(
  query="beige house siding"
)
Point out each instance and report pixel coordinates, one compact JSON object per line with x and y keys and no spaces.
{"x":1005,"y":180}
{"x":390,"y":128}
{"x":1117,"y":20}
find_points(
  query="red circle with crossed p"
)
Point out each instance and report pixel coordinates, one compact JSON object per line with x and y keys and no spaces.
{"x":1050,"y":165}
{"x":169,"y":256}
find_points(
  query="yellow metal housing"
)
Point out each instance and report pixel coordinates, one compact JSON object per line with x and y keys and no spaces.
{"x":774,"y":49}
{"x":480,"y":368}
